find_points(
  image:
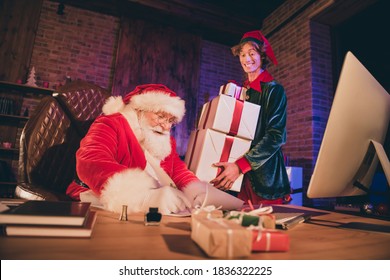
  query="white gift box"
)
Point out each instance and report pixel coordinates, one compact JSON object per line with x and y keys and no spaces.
{"x":233,"y":90}
{"x":207,"y":146}
{"x":231,"y":116}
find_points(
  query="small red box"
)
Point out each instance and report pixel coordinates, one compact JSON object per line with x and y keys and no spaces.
{"x":270,"y":241}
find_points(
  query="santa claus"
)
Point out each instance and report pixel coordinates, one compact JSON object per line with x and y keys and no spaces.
{"x":128,"y":156}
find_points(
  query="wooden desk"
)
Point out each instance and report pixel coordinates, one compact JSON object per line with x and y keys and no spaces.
{"x":320,"y":239}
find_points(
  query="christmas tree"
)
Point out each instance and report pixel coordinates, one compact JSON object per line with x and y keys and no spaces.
{"x":31,"y":78}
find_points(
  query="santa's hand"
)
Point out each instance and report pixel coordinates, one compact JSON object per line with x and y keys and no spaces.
{"x":167,"y":199}
{"x":196,"y":192}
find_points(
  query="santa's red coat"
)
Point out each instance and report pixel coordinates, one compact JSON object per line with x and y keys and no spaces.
{"x":112,"y":163}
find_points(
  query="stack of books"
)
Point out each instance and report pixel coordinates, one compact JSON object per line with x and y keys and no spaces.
{"x":47,"y":218}
{"x":7,"y":106}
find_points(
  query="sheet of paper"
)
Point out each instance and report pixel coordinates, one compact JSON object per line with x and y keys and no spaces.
{"x":217,"y":198}
{"x":184,"y":213}
{"x":222,"y":199}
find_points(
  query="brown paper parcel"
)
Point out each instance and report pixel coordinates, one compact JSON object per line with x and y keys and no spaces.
{"x":220,"y":238}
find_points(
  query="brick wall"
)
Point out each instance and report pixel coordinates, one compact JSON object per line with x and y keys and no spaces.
{"x":80,"y":44}
{"x":303,"y":50}
{"x":322,"y":82}
{"x":217,"y":66}
{"x":322,"y":92}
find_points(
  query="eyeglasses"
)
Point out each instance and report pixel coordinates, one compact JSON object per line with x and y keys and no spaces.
{"x":161,"y":118}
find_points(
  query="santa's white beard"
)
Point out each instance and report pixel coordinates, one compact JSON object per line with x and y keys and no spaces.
{"x":156,"y":141}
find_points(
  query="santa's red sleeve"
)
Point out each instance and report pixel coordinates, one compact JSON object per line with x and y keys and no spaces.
{"x":111,"y":162}
{"x":177,"y":169}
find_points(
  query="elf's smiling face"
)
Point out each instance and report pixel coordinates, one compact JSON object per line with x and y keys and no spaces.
{"x":250,"y":59}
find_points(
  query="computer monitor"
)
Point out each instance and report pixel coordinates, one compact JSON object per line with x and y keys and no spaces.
{"x":354,"y":135}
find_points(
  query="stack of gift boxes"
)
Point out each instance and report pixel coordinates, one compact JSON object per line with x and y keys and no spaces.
{"x":224,"y":133}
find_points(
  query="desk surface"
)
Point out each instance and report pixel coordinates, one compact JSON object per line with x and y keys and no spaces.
{"x":328,"y":235}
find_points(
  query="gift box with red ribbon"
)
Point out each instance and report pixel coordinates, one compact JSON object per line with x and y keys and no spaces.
{"x":233,"y":90}
{"x":230,"y":116}
{"x":268,"y":240}
{"x":207,"y":146}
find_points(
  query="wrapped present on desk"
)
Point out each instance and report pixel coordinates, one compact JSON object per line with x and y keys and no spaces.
{"x":233,"y":90}
{"x":207,"y":146}
{"x":266,"y":221}
{"x":230,"y":116}
{"x":221,"y":238}
{"x":270,"y":240}
{"x":210,"y":212}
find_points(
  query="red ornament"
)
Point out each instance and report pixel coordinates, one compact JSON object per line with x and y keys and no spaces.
{"x":382,"y":208}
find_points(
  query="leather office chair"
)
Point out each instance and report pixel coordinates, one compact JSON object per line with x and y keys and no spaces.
{"x":83,"y":102}
{"x":51,"y":137}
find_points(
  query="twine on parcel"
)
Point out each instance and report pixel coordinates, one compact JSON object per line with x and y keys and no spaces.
{"x":209,"y":208}
{"x":220,"y":221}
{"x":229,"y":249}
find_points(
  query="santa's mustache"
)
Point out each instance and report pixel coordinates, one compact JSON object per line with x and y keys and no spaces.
{"x":159,"y":130}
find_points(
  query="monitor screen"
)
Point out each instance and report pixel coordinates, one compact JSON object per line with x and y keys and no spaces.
{"x":355,"y":132}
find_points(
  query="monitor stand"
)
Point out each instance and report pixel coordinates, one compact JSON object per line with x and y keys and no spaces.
{"x":375,"y":151}
{"x":384,"y":160}
{"x":361,"y":205}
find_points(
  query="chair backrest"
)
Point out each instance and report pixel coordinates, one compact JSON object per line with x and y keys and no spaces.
{"x":51,"y":137}
{"x":82,"y":102}
{"x":48,"y":144}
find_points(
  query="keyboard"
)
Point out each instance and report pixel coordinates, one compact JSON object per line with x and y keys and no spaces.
{"x":358,"y":209}
{"x":348,"y":207}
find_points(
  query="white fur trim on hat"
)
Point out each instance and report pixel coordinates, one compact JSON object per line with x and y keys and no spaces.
{"x":159,"y":101}
{"x":114,"y":104}
{"x":130,"y":188}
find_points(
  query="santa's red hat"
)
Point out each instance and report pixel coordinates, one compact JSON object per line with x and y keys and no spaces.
{"x":258,"y":37}
{"x":150,"y":97}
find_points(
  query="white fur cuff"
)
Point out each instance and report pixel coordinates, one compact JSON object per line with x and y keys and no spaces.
{"x":130,"y":188}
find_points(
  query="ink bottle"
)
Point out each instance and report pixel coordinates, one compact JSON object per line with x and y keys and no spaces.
{"x":153,"y":217}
